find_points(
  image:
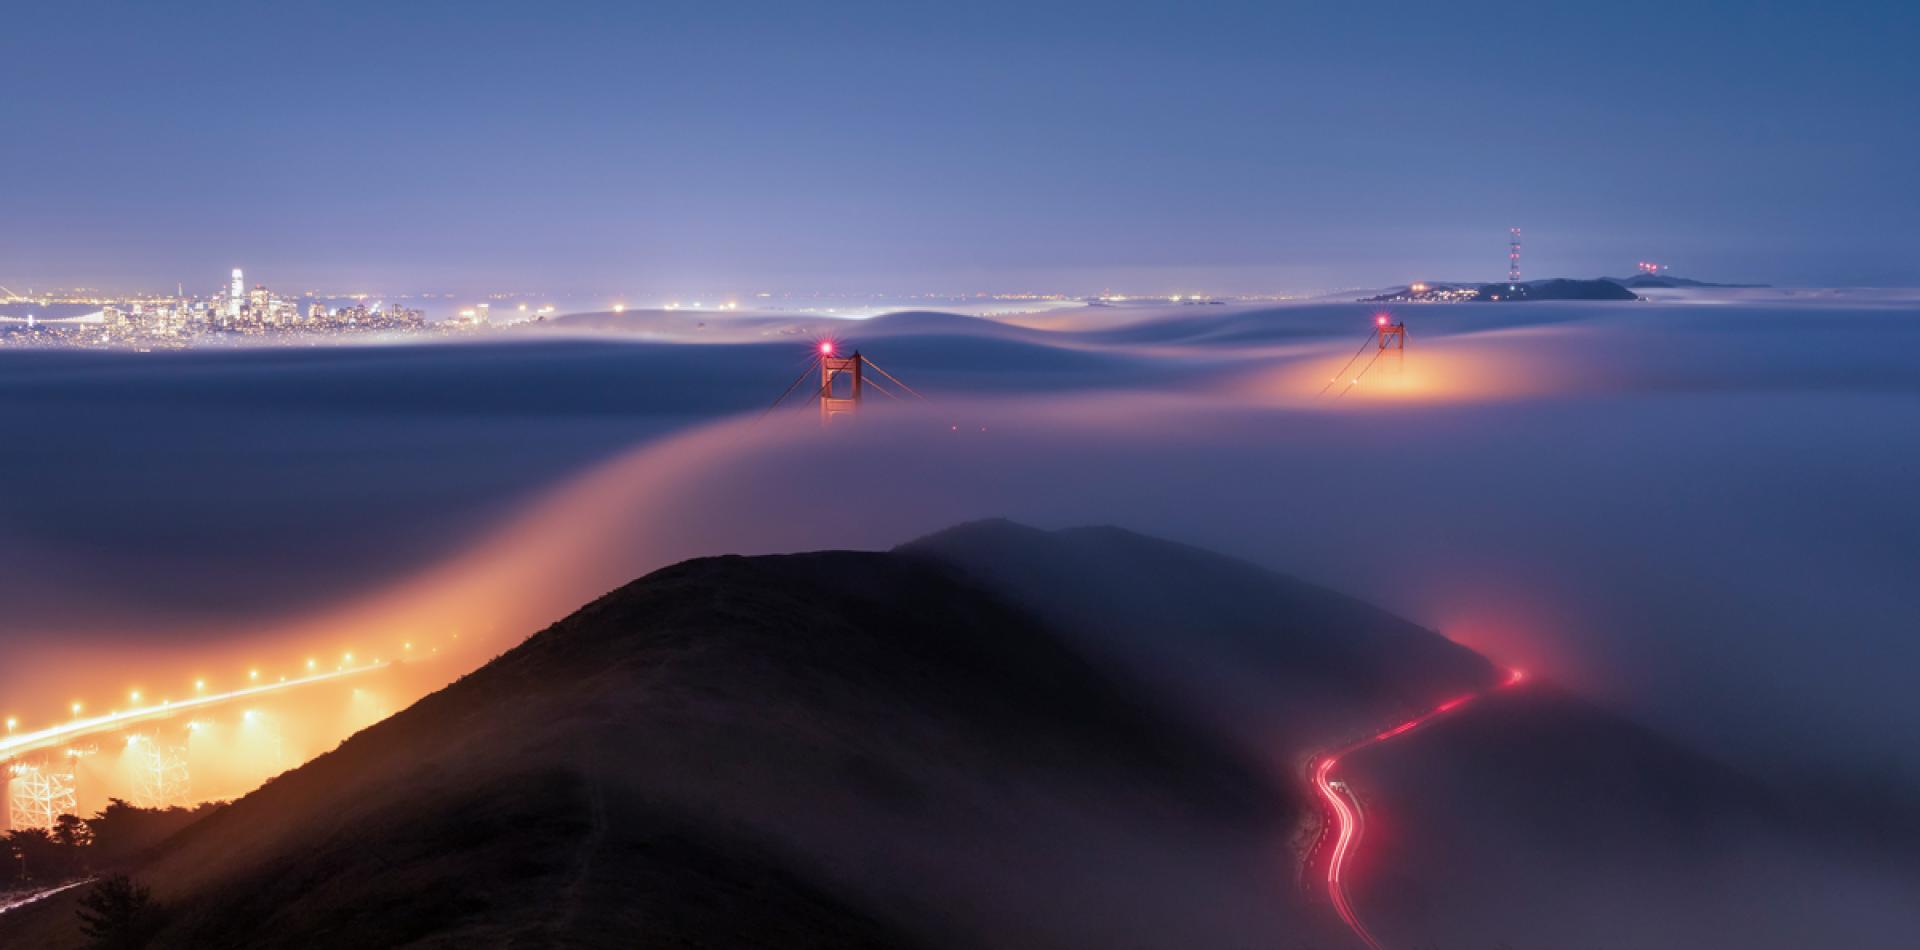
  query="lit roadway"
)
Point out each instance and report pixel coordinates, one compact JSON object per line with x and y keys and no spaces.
{"x":19,"y":900}
{"x":82,"y":727}
{"x":1348,"y":821}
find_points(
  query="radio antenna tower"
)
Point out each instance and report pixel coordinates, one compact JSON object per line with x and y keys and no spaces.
{"x":1513,"y":258}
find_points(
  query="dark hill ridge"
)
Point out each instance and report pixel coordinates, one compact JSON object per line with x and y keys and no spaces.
{"x":994,"y":736}
{"x":837,"y":749}
{"x":1669,"y":281}
{"x":1256,"y":652}
{"x":1533,"y":817}
{"x":1557,"y":288}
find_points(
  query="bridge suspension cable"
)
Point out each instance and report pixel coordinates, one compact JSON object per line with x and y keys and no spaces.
{"x":1386,"y":336}
{"x":832,"y":367}
{"x":1350,"y":360}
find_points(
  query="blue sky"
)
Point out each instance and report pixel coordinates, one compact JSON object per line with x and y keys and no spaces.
{"x":732,"y":147}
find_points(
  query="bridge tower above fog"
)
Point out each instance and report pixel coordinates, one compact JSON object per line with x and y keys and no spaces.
{"x":844,"y":399}
{"x":1387,"y":336}
{"x":1392,"y":337}
{"x":832,"y":370}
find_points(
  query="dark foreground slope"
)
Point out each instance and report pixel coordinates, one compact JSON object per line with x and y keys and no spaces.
{"x":819,"y":750}
{"x":1264,"y":657}
{"x":1003,"y":737}
{"x":1534,"y":818}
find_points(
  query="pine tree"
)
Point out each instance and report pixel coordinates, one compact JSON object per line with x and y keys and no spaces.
{"x":116,"y":914}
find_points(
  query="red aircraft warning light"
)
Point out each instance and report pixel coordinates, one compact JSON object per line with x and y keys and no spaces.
{"x":826,"y":347}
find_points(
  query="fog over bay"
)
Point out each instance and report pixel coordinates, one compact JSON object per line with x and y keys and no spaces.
{"x":1693,"y":511}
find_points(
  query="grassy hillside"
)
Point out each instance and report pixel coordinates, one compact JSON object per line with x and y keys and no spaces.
{"x":819,"y":750}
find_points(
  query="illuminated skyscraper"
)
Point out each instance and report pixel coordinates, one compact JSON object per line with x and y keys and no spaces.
{"x":237,"y":296}
{"x":259,"y":305}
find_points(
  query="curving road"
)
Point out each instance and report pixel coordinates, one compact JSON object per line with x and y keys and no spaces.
{"x":1346,"y":820}
{"x":19,"y":900}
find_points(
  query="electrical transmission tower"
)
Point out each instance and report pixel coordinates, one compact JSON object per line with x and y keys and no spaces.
{"x":1513,"y":258}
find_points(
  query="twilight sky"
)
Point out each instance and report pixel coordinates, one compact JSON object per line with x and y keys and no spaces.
{"x":732,"y":147}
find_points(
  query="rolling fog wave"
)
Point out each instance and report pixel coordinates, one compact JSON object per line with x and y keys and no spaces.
{"x":1688,"y":512}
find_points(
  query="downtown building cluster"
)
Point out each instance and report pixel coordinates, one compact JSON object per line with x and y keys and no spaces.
{"x":245,"y":311}
{"x":235,"y":312}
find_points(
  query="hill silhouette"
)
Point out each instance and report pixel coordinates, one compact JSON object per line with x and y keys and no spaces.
{"x":1254,"y":652}
{"x":834,"y":749}
{"x":992,"y":736}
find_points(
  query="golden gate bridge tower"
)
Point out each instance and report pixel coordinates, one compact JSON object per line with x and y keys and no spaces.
{"x":832,"y":369}
{"x":834,"y":400}
{"x":1392,"y":337}
{"x":1387,"y":336}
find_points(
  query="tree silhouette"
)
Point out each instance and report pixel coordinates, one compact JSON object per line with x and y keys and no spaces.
{"x":71,"y":832}
{"x":117,"y":914}
{"x":121,"y":831}
{"x":38,"y":856}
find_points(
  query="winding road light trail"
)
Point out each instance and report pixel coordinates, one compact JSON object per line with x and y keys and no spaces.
{"x":38,"y":896}
{"x":1349,"y":821}
{"x":115,"y":721}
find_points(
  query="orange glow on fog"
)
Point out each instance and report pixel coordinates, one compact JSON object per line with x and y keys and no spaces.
{"x":559,"y":553}
{"x":118,"y":720}
{"x":1469,"y":368}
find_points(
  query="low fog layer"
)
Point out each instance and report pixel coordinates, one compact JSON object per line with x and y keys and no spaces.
{"x":1694,"y":512}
